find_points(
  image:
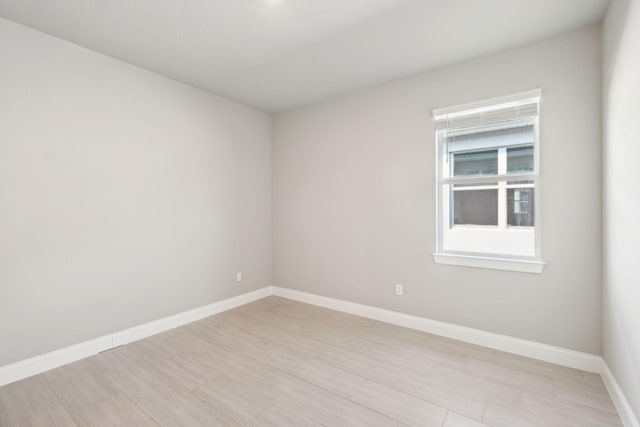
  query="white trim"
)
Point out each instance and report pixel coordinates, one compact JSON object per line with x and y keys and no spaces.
{"x":548,"y":353}
{"x":472,"y":253}
{"x":558,"y":355}
{"x":161,"y":325}
{"x":619,"y":400}
{"x":524,"y":266}
{"x":494,"y":103}
{"x":45,"y":362}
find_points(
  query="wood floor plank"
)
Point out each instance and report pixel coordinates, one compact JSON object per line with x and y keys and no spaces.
{"x":526,"y":381}
{"x":31,"y":402}
{"x":586,"y":395}
{"x":398,"y":405}
{"x":367,"y":367}
{"x":52,"y":416}
{"x":277,"y":415}
{"x":328,"y":408}
{"x":456,"y":420}
{"x":115,"y":411}
{"x":407,"y":358}
{"x":276,"y":362}
{"x":448,"y":393}
{"x":569,"y":412}
{"x":498,"y":414}
{"x":80,"y":384}
{"x":594,"y":382}
{"x":330,"y":378}
{"x":31,"y":394}
{"x":170,"y":406}
{"x":235,"y":398}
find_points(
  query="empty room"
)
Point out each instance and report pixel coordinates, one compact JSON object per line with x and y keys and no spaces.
{"x":319,"y":213}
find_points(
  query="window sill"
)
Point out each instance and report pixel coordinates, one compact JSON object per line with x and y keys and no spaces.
{"x":490,"y":263}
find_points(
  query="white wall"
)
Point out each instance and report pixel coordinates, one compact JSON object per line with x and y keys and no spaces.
{"x":621,"y":299}
{"x":354,"y":197}
{"x":124,"y":196}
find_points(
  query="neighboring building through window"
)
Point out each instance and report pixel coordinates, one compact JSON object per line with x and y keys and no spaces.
{"x":487,"y":167}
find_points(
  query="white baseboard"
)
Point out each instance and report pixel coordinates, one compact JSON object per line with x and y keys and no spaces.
{"x":157,"y":326}
{"x":45,"y":362}
{"x":619,"y":400}
{"x":558,"y":355}
{"x":548,"y":353}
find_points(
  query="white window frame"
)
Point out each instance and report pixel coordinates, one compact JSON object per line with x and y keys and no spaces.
{"x":532,"y":264}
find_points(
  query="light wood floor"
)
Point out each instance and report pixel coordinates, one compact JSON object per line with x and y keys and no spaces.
{"x":277,"y":362}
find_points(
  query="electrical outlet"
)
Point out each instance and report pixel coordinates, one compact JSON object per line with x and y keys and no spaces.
{"x":238,"y":276}
{"x":399,"y":290}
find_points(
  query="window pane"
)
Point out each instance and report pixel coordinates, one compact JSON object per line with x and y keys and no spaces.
{"x":475,"y":207}
{"x":475,"y":163}
{"x":520,"y":207}
{"x":520,"y":159}
{"x":492,"y":185}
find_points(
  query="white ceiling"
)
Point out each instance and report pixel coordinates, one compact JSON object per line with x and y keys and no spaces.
{"x":278,"y":54}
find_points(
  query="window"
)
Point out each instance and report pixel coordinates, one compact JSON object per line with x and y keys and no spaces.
{"x":487,"y":167}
